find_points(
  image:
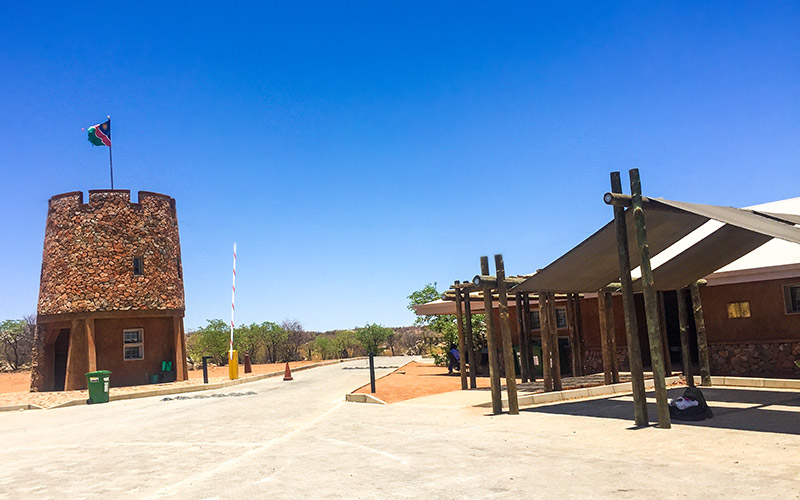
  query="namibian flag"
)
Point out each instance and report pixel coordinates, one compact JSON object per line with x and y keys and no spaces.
{"x":100,"y":134}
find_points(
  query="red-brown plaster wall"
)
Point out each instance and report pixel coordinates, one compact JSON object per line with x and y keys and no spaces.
{"x":159,"y":345}
{"x":768,"y":322}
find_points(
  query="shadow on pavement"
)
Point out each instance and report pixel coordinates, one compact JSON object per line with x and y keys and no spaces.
{"x":742,"y":409}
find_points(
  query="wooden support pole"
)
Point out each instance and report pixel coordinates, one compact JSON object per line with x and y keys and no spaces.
{"x":662,"y":320}
{"x":462,"y":363}
{"x":494,"y":370}
{"x":551,"y":309}
{"x":606,"y":315}
{"x":650,"y":303}
{"x":581,"y":339}
{"x":702,"y":341}
{"x":473,"y":360}
{"x":629,"y":308}
{"x":573,"y":336}
{"x":91,"y":344}
{"x":527,"y":335}
{"x":505,"y":331}
{"x":547,"y":352}
{"x":686,"y":353}
{"x":523,"y":368}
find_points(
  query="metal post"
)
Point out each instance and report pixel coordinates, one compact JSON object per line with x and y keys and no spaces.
{"x":205,"y":368}
{"x":372,"y":373}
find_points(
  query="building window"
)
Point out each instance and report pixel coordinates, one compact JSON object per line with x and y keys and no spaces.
{"x":791,"y":295}
{"x":739,"y":309}
{"x":535,"y":325}
{"x":133,"y":344}
{"x":138,"y":268}
{"x":561,"y":318}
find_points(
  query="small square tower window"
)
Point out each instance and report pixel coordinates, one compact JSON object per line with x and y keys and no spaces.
{"x":138,"y":267}
{"x":739,"y":309}
{"x":133,"y":344}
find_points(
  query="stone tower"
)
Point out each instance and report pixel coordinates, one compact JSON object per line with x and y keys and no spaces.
{"x":111,"y":290}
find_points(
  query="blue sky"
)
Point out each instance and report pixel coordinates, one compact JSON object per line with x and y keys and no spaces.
{"x":356,"y":151}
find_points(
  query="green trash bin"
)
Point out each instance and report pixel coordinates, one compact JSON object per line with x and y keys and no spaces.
{"x":98,"y":386}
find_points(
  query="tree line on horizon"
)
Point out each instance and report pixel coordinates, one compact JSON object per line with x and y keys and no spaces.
{"x":270,"y":342}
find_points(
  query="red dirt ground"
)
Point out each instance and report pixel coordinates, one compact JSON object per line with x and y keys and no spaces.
{"x":15,"y":381}
{"x":417,"y":379}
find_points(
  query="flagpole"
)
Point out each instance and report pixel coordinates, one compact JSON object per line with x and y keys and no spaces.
{"x":110,"y":162}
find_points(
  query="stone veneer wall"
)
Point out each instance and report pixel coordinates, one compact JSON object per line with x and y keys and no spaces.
{"x":593,"y":362}
{"x":87,"y":263}
{"x":756,"y":360}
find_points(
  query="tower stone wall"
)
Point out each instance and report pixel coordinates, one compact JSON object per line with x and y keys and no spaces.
{"x":87,"y":262}
{"x":91,"y":292}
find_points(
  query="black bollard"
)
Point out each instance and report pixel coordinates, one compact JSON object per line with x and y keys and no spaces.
{"x":372,"y":372}
{"x":205,"y":368}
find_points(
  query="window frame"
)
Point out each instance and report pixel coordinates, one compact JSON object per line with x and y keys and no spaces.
{"x":126,"y":344}
{"x":739,"y":308}
{"x":566,"y":319}
{"x":536,"y":323}
{"x":141,"y":265}
{"x":787,"y":298}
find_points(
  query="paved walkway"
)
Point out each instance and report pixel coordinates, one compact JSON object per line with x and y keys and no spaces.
{"x":299,"y":439}
{"x":53,"y":399}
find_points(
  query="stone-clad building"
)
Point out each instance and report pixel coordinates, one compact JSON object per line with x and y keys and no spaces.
{"x":111,"y":291}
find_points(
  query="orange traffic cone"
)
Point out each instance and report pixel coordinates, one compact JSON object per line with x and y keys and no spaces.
{"x":288,"y":373}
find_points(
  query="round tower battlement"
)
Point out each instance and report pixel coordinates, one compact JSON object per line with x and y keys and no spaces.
{"x":110,"y":254}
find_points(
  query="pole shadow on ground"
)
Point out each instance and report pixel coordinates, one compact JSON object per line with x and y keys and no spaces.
{"x":741,"y":409}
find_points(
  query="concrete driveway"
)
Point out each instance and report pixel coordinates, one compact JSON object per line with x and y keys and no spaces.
{"x":300,"y":439}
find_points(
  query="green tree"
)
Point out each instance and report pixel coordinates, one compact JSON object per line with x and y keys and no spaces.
{"x":296,"y":336}
{"x":372,"y":336}
{"x":324,"y":346}
{"x":212,"y":340}
{"x":444,"y":324}
{"x":275,"y":339}
{"x":16,"y":339}
{"x":346,"y":343}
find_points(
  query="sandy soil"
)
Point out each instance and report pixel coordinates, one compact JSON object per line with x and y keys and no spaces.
{"x":423,"y":379}
{"x":417,"y":379}
{"x":15,"y":381}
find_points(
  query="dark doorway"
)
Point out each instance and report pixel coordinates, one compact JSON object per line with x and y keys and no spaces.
{"x":60,"y":353}
{"x":565,"y":356}
{"x":674,"y":329}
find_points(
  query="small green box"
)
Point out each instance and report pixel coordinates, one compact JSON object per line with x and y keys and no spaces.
{"x":98,"y":386}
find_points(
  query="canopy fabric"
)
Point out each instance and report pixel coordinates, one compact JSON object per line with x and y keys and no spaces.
{"x":593,"y":264}
{"x":794,"y":219}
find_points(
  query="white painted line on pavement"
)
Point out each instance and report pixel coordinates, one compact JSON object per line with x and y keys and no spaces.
{"x":367,"y":448}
